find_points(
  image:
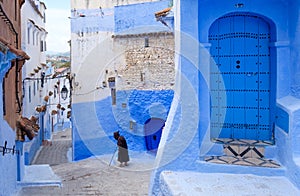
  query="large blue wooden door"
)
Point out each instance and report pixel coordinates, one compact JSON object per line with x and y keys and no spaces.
{"x":240,"y":86}
{"x":153,"y":129}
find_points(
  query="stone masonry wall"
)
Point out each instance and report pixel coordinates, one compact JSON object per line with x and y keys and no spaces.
{"x":145,"y":68}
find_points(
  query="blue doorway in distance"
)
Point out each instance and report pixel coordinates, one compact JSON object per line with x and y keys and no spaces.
{"x":153,"y":129}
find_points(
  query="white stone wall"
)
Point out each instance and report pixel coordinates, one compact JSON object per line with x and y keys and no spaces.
{"x":146,"y":68}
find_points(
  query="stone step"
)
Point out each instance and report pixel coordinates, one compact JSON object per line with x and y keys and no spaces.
{"x":244,"y":161}
{"x":244,"y":151}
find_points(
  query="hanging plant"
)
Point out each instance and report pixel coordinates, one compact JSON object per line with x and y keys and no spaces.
{"x":50,"y":93}
{"x":58,"y":106}
{"x":38,"y":109}
{"x":69,"y":114}
{"x":33,"y":119}
{"x":53,"y":112}
{"x":44,"y":108}
{"x":46,"y":98}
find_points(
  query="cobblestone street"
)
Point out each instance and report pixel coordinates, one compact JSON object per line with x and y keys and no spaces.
{"x":92,"y":176}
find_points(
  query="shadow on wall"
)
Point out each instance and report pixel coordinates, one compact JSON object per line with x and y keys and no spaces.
{"x":129,"y":115}
{"x":132,"y":110}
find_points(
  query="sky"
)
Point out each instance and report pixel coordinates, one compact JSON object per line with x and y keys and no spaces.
{"x":58,"y":25}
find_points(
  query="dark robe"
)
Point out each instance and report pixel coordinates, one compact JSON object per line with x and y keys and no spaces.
{"x":123,"y":150}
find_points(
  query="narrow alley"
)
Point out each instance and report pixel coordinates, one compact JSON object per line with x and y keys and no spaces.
{"x":91,"y":176}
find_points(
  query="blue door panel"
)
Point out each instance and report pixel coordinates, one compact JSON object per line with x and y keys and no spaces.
{"x":215,"y":115}
{"x":213,"y":39}
{"x":252,"y":134}
{"x":224,"y":47}
{"x":264,"y":28}
{"x":264,"y":117}
{"x":240,"y":45}
{"x":264,"y":99}
{"x":226,"y":81}
{"x":238,"y":24}
{"x":264,"y":45}
{"x":238,"y":99}
{"x":251,"y":82}
{"x":264,"y":64}
{"x":237,"y":45}
{"x":238,"y":82}
{"x":214,"y":99}
{"x":214,"y":82}
{"x":251,"y":117}
{"x":251,"y":65}
{"x":251,"y":44}
{"x":225,"y":24}
{"x":224,"y":63}
{"x":251,"y":26}
{"x":251,"y":99}
{"x":225,"y":133}
{"x":239,"y":132}
{"x":264,"y":134}
{"x":239,"y":116}
{"x":264,"y":82}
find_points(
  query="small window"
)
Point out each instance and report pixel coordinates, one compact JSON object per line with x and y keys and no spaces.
{"x":34,"y":88}
{"x":41,"y":46}
{"x":29,"y":94}
{"x":113,"y":96}
{"x":45,"y":48}
{"x":28,"y":35}
{"x":37,"y":39}
{"x":33,"y":39}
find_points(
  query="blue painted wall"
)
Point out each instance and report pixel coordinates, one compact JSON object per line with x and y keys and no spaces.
{"x":139,"y":18}
{"x":8,"y":162}
{"x":136,"y":18}
{"x":195,"y":20}
{"x":96,"y":136}
{"x":92,"y":20}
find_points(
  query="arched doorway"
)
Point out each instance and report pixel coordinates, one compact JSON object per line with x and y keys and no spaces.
{"x":153,"y":129}
{"x":242,"y":94}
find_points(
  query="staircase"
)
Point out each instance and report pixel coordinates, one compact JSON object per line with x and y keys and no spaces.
{"x":243,"y":152}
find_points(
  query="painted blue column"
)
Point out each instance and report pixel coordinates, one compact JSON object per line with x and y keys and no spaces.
{"x":20,"y":165}
{"x":295,"y":47}
{"x":42,"y":128}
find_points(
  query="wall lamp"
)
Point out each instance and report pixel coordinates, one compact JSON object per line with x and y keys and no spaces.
{"x":64,"y":92}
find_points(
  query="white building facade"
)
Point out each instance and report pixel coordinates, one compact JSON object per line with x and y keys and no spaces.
{"x":34,"y":43}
